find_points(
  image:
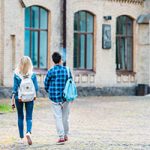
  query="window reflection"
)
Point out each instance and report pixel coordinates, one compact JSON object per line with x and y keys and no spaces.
{"x":124,"y":43}
{"x":36,"y":35}
{"x":83,"y":40}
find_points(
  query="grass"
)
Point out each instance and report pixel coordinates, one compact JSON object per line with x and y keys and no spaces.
{"x":4,"y":108}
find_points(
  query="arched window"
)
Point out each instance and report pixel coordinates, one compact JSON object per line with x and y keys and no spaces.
{"x":124,"y":43}
{"x":83,"y":40}
{"x":36,"y":35}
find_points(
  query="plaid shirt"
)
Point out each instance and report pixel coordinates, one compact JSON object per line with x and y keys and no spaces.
{"x":55,"y":82}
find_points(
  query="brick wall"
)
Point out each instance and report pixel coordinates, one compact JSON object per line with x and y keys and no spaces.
{"x":13,"y":27}
{"x":12,"y":47}
{"x":105,"y":59}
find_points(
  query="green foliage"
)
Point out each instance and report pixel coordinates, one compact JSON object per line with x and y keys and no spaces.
{"x":5,"y":108}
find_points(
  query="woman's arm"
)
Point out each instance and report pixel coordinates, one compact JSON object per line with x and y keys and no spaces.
{"x":34,"y":79}
{"x":16,"y":83}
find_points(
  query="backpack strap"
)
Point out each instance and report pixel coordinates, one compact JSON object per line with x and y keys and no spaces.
{"x":25,"y":76}
{"x":68,"y":73}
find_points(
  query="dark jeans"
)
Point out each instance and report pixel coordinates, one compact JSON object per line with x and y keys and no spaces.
{"x":29,"y":111}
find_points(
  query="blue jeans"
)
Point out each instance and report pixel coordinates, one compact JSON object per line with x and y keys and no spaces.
{"x":29,"y":111}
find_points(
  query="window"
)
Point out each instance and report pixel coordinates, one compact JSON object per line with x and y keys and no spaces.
{"x":36,"y":35}
{"x":124,"y":43}
{"x":83,"y":40}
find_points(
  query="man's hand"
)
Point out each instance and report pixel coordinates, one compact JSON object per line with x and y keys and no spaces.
{"x":34,"y":98}
{"x":20,"y":100}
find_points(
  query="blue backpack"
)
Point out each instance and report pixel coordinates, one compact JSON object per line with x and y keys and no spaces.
{"x":70,"y":90}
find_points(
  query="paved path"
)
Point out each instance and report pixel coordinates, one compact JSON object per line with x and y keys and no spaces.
{"x":96,"y":123}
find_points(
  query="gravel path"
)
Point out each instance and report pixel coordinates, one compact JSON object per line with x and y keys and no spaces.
{"x":96,"y":123}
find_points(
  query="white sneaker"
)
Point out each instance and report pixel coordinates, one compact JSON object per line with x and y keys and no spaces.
{"x":28,"y":136}
{"x":20,"y":141}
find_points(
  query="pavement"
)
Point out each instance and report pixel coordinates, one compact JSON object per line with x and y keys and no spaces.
{"x":96,"y":123}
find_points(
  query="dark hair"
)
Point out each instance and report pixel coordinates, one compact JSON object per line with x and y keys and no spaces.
{"x":56,"y":57}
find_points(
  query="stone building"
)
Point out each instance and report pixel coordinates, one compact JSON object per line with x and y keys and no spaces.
{"x":106,"y":43}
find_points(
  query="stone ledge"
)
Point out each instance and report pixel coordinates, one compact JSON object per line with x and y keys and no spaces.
{"x":106,"y":91}
{"x":5,"y":92}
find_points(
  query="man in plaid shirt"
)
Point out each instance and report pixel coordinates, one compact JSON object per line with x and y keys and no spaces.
{"x":54,"y":83}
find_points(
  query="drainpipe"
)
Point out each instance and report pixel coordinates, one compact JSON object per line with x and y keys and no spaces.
{"x":149,"y":56}
{"x":64,"y":31}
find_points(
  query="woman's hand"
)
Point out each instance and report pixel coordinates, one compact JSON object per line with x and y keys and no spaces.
{"x":13,"y":102}
{"x":13,"y":106}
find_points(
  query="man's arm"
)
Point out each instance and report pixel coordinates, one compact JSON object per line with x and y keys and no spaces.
{"x":47,"y":80}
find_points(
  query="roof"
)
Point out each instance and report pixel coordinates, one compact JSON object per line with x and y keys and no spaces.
{"x":143,"y":19}
{"x":130,"y":1}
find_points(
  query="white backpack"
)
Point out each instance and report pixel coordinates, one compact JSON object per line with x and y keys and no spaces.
{"x":26,"y":90}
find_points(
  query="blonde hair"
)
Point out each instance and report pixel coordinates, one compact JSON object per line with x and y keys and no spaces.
{"x":25,"y":65}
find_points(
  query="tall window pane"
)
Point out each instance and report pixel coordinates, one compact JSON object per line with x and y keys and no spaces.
{"x":27,"y":17}
{"x":43,"y":47}
{"x":35,"y":17}
{"x":129,"y":27}
{"x":90,"y":22}
{"x":122,"y":25}
{"x":82,"y":16}
{"x":117,"y":54}
{"x":27,"y":43}
{"x":122,"y":49}
{"x":75,"y":49}
{"x":124,"y":43}
{"x":36,"y":35}
{"x":43,"y":19}
{"x":76,"y":22}
{"x":82,"y":51}
{"x":130,"y":54}
{"x":34,"y":50}
{"x":89,"y":51}
{"x":83,"y":40}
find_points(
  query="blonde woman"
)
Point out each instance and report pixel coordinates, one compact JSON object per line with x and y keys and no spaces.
{"x":22,"y":72}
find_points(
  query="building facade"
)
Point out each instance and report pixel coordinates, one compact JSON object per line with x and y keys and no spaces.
{"x":106,"y":43}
